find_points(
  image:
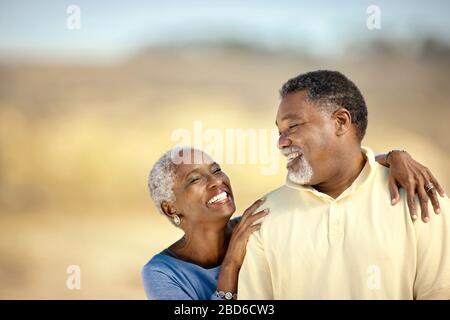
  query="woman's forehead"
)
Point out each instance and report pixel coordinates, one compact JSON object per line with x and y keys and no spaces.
{"x":192,"y":160}
{"x":191,"y":156}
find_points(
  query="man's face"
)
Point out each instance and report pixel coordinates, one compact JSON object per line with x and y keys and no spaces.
{"x":306,"y":139}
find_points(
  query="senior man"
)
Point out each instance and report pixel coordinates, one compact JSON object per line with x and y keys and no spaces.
{"x":331,"y":233}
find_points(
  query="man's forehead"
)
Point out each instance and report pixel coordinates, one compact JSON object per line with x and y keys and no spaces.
{"x":292,"y":106}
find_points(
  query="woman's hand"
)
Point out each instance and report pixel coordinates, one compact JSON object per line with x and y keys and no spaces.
{"x":241,"y":232}
{"x":410,"y":175}
{"x":232,"y":262}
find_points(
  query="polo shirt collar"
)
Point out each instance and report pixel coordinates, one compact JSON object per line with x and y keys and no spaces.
{"x":363,"y":176}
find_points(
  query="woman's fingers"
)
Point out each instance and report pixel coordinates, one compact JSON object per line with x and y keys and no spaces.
{"x":411,"y":203}
{"x":247,"y":213}
{"x":436,"y":184}
{"x":252,"y":229}
{"x":432,"y":194}
{"x":430,"y":190}
{"x":423,"y":199}
{"x":252,"y":218}
{"x":393,"y":189}
{"x":242,"y":230}
{"x":257,"y":216}
{"x":430,"y":186}
{"x":417,"y":185}
{"x":415,"y":178}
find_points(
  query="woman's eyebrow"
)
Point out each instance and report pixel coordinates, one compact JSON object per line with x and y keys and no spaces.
{"x":197,"y":169}
{"x":190,"y":172}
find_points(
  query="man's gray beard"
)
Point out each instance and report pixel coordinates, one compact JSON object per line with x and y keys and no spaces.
{"x":303,"y":175}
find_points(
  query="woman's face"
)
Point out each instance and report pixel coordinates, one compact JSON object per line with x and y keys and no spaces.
{"x":203,"y":192}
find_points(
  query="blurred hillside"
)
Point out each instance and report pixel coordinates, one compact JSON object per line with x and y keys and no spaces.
{"x":77,"y":142}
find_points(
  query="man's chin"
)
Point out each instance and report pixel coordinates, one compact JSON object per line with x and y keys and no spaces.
{"x":299,"y":177}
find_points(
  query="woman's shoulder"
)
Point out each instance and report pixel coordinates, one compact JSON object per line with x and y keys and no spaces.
{"x":167,"y":277}
{"x":159,"y":263}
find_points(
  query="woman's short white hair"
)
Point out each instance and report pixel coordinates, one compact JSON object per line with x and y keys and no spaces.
{"x":161,"y":179}
{"x":162,"y":176}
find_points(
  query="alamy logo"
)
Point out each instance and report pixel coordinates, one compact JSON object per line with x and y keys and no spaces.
{"x":74,"y":279}
{"x":233,"y":145}
{"x":73,"y":21}
{"x":373,"y":277}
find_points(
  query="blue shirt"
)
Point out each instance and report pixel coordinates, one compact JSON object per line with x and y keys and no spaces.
{"x":170,"y":278}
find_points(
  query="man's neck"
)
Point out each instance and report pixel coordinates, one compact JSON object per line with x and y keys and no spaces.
{"x":348,"y":167}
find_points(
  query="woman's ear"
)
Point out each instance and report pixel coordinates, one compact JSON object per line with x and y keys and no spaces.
{"x":343,"y":120}
{"x":168,"y":209}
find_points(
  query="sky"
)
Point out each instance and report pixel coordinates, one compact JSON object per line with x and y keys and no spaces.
{"x":113,"y":29}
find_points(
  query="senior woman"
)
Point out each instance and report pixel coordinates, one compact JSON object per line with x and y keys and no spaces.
{"x":196,"y":196}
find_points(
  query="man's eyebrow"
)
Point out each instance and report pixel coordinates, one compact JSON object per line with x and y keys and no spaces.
{"x":288,"y":116}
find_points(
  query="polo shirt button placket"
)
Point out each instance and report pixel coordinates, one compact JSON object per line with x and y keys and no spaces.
{"x":334,"y":224}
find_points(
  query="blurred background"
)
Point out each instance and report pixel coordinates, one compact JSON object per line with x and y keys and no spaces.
{"x":91,"y":92}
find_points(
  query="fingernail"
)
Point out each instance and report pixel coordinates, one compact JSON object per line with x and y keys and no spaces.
{"x":266,"y":210}
{"x":393,"y":201}
{"x":426,"y":219}
{"x":438,"y":210}
{"x":414,"y":217}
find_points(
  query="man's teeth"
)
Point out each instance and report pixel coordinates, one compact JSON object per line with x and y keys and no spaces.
{"x":221,"y":196}
{"x":292,"y":156}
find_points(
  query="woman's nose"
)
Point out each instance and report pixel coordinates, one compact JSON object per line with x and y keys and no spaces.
{"x":214,"y":181}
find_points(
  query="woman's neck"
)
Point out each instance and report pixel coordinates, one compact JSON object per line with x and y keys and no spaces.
{"x":204,"y":247}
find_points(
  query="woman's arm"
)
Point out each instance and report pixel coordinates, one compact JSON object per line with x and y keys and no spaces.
{"x":415,"y":178}
{"x":229,"y":271}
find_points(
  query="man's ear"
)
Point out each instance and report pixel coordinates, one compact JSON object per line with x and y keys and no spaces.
{"x":343,"y":121}
{"x":168,"y":209}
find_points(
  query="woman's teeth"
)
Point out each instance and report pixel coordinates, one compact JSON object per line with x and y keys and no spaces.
{"x":221,"y":196}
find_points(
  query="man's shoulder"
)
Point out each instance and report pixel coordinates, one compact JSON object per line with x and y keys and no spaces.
{"x":382,"y":185}
{"x":278,"y":191}
{"x":279,"y":196}
{"x":281,"y":192}
{"x":380,"y":177}
{"x":281,"y":201}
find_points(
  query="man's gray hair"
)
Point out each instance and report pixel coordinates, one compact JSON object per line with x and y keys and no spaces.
{"x":331,"y":90}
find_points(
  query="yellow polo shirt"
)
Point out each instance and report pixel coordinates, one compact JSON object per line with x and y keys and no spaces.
{"x":357,"y":246}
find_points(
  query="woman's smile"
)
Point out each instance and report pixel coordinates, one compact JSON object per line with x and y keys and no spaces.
{"x":220,"y":198}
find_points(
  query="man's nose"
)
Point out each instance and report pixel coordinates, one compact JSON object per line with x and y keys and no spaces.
{"x":284,"y":142}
